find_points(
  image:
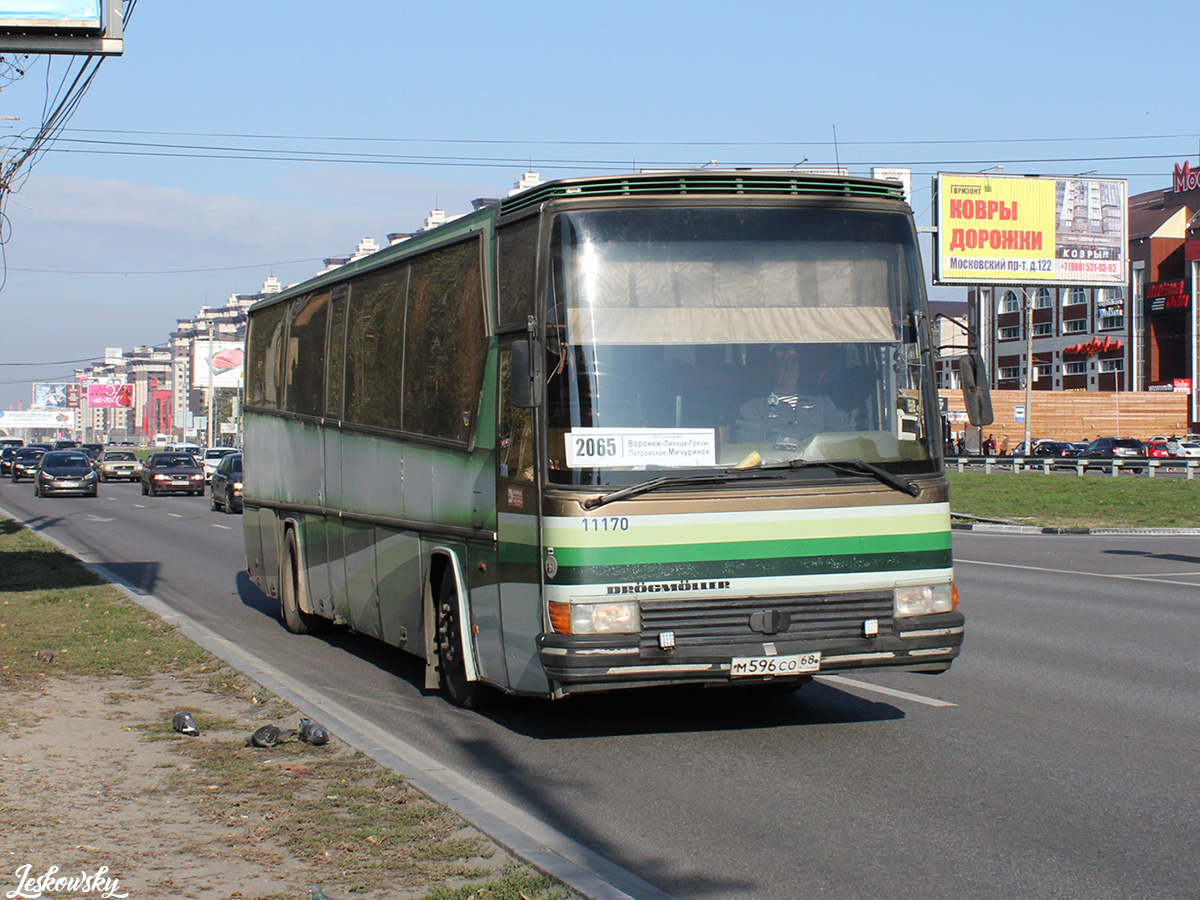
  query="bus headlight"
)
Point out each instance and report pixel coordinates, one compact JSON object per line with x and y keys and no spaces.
{"x":924,"y":599}
{"x":622,"y":617}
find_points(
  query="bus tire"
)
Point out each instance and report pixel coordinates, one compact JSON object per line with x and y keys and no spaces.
{"x":458,"y":690}
{"x":294,"y":618}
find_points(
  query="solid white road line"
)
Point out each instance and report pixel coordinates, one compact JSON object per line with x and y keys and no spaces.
{"x":879,"y":689}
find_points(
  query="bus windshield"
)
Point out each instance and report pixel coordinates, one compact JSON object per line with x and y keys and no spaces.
{"x":715,"y":337}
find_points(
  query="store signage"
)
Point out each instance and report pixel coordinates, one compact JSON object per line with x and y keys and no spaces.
{"x":1175,"y":386}
{"x":1185,"y":178}
{"x":1091,"y":348}
{"x":1166,"y":296}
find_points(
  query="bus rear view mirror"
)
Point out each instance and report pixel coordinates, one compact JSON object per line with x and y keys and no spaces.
{"x":526,"y":379}
{"x":977,"y":396}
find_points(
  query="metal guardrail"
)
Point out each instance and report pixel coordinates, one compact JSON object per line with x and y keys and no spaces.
{"x":1048,"y":464}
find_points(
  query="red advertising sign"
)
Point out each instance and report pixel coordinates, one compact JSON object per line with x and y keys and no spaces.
{"x":110,"y":395}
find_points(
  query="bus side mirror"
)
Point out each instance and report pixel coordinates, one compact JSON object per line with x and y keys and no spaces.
{"x":525,"y":374}
{"x":977,"y":396}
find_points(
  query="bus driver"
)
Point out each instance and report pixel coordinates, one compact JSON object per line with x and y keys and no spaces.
{"x":798,"y":405}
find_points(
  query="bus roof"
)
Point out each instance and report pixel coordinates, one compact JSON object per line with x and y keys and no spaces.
{"x":689,"y":182}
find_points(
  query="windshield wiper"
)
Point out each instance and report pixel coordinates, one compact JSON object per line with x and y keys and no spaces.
{"x":849,"y":466}
{"x":855,"y":467}
{"x":669,"y":480}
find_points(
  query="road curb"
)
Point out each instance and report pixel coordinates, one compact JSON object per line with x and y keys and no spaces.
{"x":1001,"y":528}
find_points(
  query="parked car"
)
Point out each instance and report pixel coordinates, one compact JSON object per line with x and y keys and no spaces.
{"x":65,"y":472}
{"x":226,"y":489}
{"x":1157,"y":449}
{"x":120,"y":464}
{"x":1114,"y":448}
{"x":25,"y":462}
{"x":213,"y":456}
{"x":1189,"y":449}
{"x":172,"y":473}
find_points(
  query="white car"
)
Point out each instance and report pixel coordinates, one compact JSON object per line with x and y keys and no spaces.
{"x":212,"y":458}
{"x":1183,"y":448}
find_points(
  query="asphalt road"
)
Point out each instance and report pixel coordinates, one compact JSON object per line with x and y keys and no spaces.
{"x":1057,"y":759}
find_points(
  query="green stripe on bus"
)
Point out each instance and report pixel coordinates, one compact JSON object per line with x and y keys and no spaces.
{"x":737,"y":550}
{"x":840,"y":564}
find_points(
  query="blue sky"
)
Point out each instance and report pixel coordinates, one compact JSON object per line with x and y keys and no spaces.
{"x":416,"y":105}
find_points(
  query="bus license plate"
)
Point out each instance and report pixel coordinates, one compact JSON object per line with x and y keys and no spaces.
{"x":795,"y":664}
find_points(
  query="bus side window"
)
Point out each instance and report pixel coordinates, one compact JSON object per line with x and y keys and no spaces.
{"x":515,"y":430}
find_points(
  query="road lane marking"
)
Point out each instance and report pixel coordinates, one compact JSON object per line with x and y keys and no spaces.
{"x":225,"y":527}
{"x":879,"y":689}
{"x":1152,"y":578}
{"x":97,"y":518}
{"x":175,"y":515}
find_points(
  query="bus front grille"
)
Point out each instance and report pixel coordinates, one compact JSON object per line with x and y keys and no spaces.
{"x":714,"y":622}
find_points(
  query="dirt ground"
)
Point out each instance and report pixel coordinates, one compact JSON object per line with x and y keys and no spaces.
{"x":93,"y":780}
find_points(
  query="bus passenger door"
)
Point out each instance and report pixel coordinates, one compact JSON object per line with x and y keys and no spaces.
{"x":518,"y":529}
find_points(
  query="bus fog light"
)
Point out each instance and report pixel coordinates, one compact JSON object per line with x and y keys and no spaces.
{"x":606,"y":618}
{"x":924,"y":599}
{"x":666,"y":640}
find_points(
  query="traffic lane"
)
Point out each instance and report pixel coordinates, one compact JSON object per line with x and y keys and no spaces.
{"x":173,"y":547}
{"x":702,"y":797}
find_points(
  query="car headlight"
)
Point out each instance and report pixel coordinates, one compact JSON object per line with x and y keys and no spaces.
{"x":623,"y":617}
{"x":46,"y":475}
{"x":162,"y":477}
{"x":924,"y":599}
{"x":89,"y":476}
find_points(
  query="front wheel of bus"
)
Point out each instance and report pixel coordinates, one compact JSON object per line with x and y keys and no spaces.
{"x":294,"y":618}
{"x":456,"y":687}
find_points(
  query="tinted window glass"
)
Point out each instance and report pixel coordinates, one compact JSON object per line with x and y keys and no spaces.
{"x":264,"y":370}
{"x":515,"y":274}
{"x":336,"y":355}
{"x":306,"y":354}
{"x":445,"y":342}
{"x":375,"y":344}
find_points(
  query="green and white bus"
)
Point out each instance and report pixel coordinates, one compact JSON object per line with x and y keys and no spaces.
{"x":614,"y":432}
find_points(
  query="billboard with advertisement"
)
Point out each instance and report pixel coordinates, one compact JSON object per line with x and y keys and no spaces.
{"x":60,"y":419}
{"x":223,"y":360}
{"x":1015,"y":229}
{"x":55,"y":396}
{"x":109,"y":396}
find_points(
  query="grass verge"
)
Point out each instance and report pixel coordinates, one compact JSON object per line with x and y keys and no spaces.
{"x":346,"y":820}
{"x":1071,"y":501}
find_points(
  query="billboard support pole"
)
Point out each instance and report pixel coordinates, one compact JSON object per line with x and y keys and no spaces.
{"x":1028,"y":371}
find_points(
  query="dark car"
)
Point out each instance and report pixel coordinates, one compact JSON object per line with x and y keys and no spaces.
{"x":225,"y":491}
{"x":6,"y":455}
{"x":1114,"y":448}
{"x":65,"y":444}
{"x":1053,"y":448}
{"x":172,"y":473}
{"x":25,"y":462}
{"x":65,"y":472}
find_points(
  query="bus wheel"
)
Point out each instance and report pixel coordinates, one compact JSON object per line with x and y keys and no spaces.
{"x":459,"y":691}
{"x":296,"y":620}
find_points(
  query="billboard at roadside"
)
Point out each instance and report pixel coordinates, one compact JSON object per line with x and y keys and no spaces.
{"x":62,"y":419}
{"x":109,"y":396}
{"x":55,"y":396}
{"x":224,"y":360}
{"x":1013,"y":229}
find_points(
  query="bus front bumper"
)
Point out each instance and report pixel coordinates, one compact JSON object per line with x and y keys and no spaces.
{"x":600,"y":662}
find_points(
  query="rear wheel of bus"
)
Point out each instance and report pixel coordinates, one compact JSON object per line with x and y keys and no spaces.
{"x":290,"y":588}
